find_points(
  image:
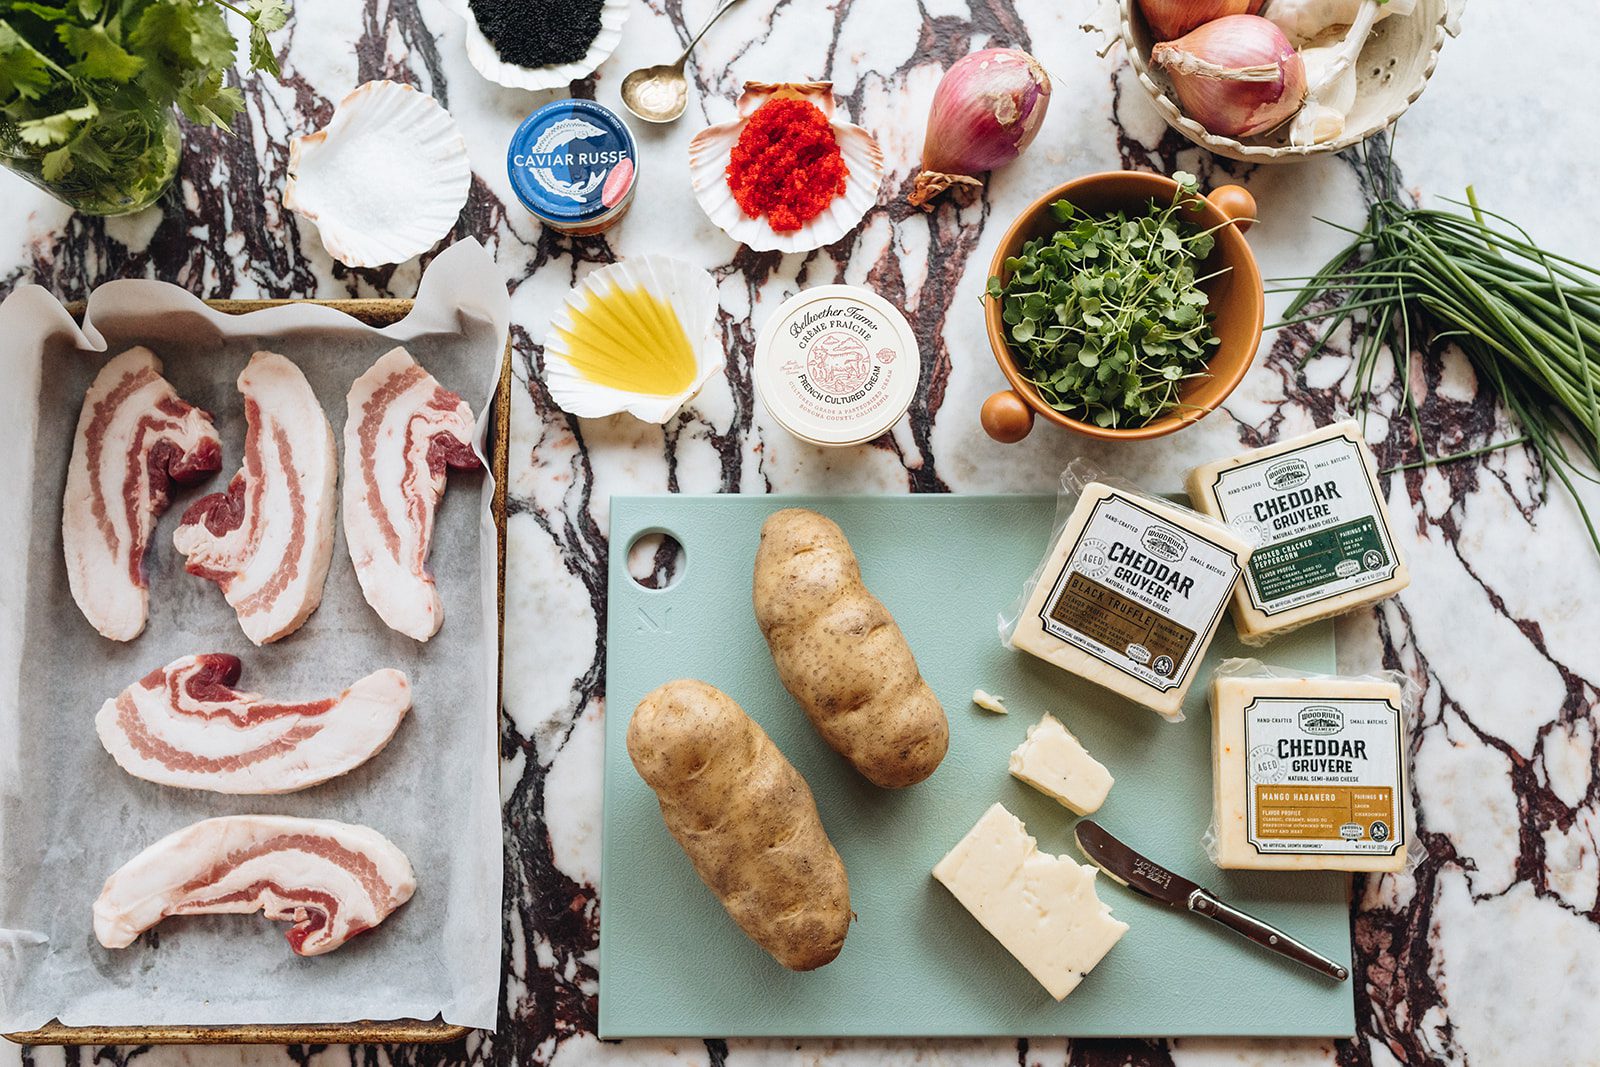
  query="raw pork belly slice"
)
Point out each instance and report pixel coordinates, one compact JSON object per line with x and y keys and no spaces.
{"x":267,"y":541}
{"x":135,"y":439}
{"x":404,"y":431}
{"x":185,"y":725}
{"x":330,"y":879}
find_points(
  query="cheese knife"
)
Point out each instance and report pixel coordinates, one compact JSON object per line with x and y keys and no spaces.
{"x":1151,"y":879}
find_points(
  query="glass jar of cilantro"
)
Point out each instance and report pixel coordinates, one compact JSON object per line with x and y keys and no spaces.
{"x":117,"y":167}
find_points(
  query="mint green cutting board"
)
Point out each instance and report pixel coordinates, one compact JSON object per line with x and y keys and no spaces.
{"x":915,"y":963}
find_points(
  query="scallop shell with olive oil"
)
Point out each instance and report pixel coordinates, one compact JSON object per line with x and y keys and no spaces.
{"x":385,"y":179}
{"x":683,"y":294}
{"x":482,"y":55}
{"x":712,"y":148}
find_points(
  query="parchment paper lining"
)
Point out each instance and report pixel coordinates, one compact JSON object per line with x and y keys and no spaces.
{"x":69,"y":816}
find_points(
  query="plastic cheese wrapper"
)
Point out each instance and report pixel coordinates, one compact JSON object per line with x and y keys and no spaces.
{"x":1129,"y":593}
{"x":1313,"y":510}
{"x":1311,"y":771}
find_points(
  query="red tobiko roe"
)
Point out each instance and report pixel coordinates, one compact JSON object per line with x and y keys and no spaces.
{"x":786,"y":165}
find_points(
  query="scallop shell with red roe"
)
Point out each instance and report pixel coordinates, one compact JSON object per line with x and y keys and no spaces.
{"x":712,"y":149}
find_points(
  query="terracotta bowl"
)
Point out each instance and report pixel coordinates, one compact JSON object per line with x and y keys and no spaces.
{"x":1237,"y":301}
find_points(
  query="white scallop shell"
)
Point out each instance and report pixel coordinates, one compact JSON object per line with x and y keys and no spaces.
{"x":385,"y":179}
{"x":483,"y":56}
{"x":692,"y":295}
{"x":712,"y":148}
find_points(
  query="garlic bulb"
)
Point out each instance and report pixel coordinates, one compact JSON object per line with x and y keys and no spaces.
{"x":1331,"y":80}
{"x":1306,"y":20}
{"x":1237,"y":76}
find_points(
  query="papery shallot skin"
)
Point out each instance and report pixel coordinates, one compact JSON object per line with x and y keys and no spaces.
{"x":184,"y":725}
{"x":330,"y":880}
{"x":403,"y":434}
{"x":136,"y":439}
{"x":268,"y":540}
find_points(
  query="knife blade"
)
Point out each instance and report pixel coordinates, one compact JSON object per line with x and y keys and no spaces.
{"x":1148,"y":878}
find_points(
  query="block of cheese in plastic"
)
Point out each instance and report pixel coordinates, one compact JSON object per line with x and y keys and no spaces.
{"x":1042,"y":908}
{"x":1131,"y":594}
{"x":1312,"y":509}
{"x":1056,"y":764}
{"x":1308,"y":773}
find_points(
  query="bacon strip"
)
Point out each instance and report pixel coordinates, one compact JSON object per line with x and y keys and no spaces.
{"x":136,"y":439}
{"x":330,"y":880}
{"x":403,"y":433}
{"x":186,"y":726}
{"x":268,"y":540}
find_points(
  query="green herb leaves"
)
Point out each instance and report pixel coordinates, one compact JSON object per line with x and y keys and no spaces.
{"x":1105,"y":316}
{"x":86,"y":82}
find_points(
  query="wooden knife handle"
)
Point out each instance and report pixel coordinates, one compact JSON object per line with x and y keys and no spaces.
{"x":1203,"y":903}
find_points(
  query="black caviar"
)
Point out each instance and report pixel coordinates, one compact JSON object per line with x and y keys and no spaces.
{"x":539,"y":33}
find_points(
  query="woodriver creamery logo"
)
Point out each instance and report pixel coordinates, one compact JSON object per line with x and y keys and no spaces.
{"x":1168,"y":544}
{"x":1319,"y":719}
{"x":1287,"y":474}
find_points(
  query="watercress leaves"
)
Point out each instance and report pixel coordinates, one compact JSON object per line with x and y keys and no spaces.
{"x":1105,"y":315}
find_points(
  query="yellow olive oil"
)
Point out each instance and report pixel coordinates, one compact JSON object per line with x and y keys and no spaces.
{"x":631,"y":340}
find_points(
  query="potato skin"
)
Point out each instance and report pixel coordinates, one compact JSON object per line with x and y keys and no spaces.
{"x":746,"y":819}
{"x":840,"y":654}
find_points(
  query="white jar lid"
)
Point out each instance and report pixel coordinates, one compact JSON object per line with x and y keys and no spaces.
{"x":837,"y":365}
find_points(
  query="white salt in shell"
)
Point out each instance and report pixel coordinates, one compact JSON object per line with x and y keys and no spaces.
{"x":385,"y":180}
{"x":483,"y":56}
{"x":712,"y":148}
{"x":692,"y":295}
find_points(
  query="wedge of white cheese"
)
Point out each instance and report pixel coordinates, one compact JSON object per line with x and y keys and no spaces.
{"x":1131,"y":595}
{"x":1309,"y":773}
{"x":1042,"y":908}
{"x":1312,"y":508}
{"x":1056,"y":764}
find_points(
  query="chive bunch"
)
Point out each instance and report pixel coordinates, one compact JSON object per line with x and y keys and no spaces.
{"x":1527,"y":319}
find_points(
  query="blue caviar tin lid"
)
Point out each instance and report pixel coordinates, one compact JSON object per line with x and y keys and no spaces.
{"x":572,"y":163}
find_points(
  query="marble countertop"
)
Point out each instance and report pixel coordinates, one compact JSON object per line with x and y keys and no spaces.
{"x":1489,"y":953}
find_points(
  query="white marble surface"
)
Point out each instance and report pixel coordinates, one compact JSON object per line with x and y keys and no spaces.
{"x":1490,"y":954}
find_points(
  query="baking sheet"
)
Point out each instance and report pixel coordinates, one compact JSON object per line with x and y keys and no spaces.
{"x":69,"y":816}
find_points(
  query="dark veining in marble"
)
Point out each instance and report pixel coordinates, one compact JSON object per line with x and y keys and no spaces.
{"x":544,"y":1005}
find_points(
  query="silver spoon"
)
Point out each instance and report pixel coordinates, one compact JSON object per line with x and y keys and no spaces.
{"x":660,"y":93}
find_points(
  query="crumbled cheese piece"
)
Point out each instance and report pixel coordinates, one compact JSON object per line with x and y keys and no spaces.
{"x":1131,"y":594}
{"x":989,"y":702}
{"x":1054,"y":762}
{"x":1309,"y":774}
{"x":1323,"y":542}
{"x":1041,"y":908}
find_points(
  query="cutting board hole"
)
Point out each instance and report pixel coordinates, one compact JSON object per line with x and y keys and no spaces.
{"x":656,"y":560}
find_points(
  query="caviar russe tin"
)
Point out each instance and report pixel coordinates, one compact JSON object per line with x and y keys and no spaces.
{"x":837,"y":365}
{"x":574,"y":165}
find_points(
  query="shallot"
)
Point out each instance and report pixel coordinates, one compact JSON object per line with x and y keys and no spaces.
{"x":1171,"y":19}
{"x":986,"y":110}
{"x":1237,"y":76}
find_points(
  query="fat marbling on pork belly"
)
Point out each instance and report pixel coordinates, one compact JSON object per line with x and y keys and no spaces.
{"x":329,"y":880}
{"x":185,"y":725}
{"x":403,"y":433}
{"x":135,"y":440}
{"x":268,"y":539}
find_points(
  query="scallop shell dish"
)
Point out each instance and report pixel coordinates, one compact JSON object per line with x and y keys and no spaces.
{"x":638,"y":336}
{"x":481,"y":52}
{"x":711,"y":152}
{"x":385,"y":180}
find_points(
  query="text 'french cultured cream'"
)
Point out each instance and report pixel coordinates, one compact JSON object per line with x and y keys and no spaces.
{"x":1131,"y":595}
{"x":1312,"y":508}
{"x":1308,"y":773}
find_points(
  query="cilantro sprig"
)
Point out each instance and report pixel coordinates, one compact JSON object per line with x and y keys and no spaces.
{"x":86,"y":85}
{"x":1105,"y":315}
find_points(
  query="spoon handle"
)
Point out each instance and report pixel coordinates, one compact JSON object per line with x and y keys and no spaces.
{"x":709,"y":23}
